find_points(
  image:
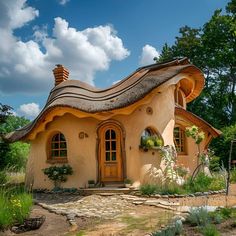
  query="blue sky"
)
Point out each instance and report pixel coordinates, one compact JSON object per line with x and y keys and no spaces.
{"x":99,"y":41}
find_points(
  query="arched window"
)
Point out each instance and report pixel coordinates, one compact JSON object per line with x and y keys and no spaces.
{"x":58,"y":147}
{"x":150,"y":138}
{"x":179,"y":98}
{"x":180,"y":140}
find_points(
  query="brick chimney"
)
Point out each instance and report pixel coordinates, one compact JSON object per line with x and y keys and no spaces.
{"x":60,"y":73}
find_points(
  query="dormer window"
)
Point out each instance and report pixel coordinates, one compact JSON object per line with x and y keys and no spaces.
{"x":179,"y":97}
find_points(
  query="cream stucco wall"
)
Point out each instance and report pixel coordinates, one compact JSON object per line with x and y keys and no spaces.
{"x":82,"y":154}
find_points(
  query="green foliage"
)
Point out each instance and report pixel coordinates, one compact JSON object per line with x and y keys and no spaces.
{"x":12,"y":123}
{"x":171,"y":230}
{"x":148,"y":189}
{"x":151,"y":141}
{"x":204,"y":183}
{"x":221,"y":145}
{"x":17,"y":155}
{"x":216,"y":60}
{"x":200,"y":184}
{"x":198,"y":217}
{"x":3,"y":177}
{"x":233,"y":175}
{"x":210,"y":230}
{"x":128,"y":181}
{"x":14,"y":154}
{"x":181,"y":171}
{"x":15,"y":206}
{"x":58,"y":173}
{"x":167,"y":188}
{"x":217,"y":183}
{"x":194,"y":133}
{"x":214,"y":163}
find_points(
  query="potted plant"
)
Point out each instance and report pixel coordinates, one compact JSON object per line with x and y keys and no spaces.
{"x":91,"y":183}
{"x":151,"y":142}
{"x":127,"y":183}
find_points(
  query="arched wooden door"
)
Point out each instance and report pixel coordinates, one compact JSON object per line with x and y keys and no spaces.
{"x":110,"y":161}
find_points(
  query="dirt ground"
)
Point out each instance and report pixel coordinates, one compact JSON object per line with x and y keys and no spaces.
{"x":143,"y":218}
{"x":54,"y":225}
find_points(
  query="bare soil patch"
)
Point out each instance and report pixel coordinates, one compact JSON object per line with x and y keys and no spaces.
{"x":54,"y":225}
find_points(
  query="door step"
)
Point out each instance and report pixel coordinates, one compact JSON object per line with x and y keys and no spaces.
{"x":114,"y":184}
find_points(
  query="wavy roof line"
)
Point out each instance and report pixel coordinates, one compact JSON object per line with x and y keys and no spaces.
{"x":86,"y":98}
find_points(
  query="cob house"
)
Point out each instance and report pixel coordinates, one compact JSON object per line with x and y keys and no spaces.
{"x":99,"y":132}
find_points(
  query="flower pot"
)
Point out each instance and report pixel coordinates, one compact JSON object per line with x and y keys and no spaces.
{"x":91,"y":185}
{"x":127,"y":185}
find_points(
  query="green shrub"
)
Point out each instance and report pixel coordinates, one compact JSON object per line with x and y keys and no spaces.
{"x":15,"y":206}
{"x":58,"y":173}
{"x":148,"y":189}
{"x":3,"y":177}
{"x":201,"y":183}
{"x":210,"y":230}
{"x":233,"y":175}
{"x":170,"y":188}
{"x":218,"y":183}
{"x":214,"y":163}
{"x":198,"y":217}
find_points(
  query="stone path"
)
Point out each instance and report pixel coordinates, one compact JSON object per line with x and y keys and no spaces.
{"x":104,"y":206}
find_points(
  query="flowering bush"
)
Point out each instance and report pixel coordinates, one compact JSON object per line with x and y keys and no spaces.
{"x":194,"y":133}
{"x":15,"y":206}
{"x":58,"y":173}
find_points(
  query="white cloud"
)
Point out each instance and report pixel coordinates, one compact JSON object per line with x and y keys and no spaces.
{"x":148,"y":53}
{"x":63,"y":2}
{"x":115,"y":82}
{"x":29,"y":110}
{"x":26,"y":66}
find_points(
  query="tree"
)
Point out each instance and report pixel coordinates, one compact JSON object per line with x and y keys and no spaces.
{"x":13,"y":155}
{"x":5,"y":111}
{"x":213,"y":49}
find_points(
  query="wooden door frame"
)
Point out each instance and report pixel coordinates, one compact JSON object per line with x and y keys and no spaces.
{"x":120,"y":127}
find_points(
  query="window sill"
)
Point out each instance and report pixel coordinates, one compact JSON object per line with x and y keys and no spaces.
{"x":145,"y":149}
{"x":53,"y":161}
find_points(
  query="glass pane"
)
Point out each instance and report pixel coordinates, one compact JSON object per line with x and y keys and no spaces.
{"x":113,"y":134}
{"x":107,"y":135}
{"x":113,"y":145}
{"x":63,"y":145}
{"x":63,"y":153}
{"x":108,"y":145}
{"x":107,"y":156}
{"x":176,"y":132}
{"x":113,"y":157}
{"x":55,"y":153}
{"x":55,"y":137}
{"x":62,"y":137}
{"x":55,"y":145}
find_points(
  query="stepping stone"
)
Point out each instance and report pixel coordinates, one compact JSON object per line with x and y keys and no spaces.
{"x":138,"y":202}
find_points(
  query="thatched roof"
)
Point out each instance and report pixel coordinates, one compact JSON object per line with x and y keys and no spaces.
{"x":194,"y":119}
{"x":79,"y":95}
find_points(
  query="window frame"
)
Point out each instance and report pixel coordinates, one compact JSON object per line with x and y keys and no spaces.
{"x":183,"y":140}
{"x":60,"y":158}
{"x":179,"y":97}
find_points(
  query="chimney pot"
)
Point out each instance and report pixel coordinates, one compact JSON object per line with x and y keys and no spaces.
{"x":60,"y":74}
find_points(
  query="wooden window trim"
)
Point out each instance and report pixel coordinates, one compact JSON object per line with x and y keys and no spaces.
{"x":183,"y":141}
{"x":57,"y":159}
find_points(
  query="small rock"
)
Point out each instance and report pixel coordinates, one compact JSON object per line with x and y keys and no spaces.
{"x":71,"y":216}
